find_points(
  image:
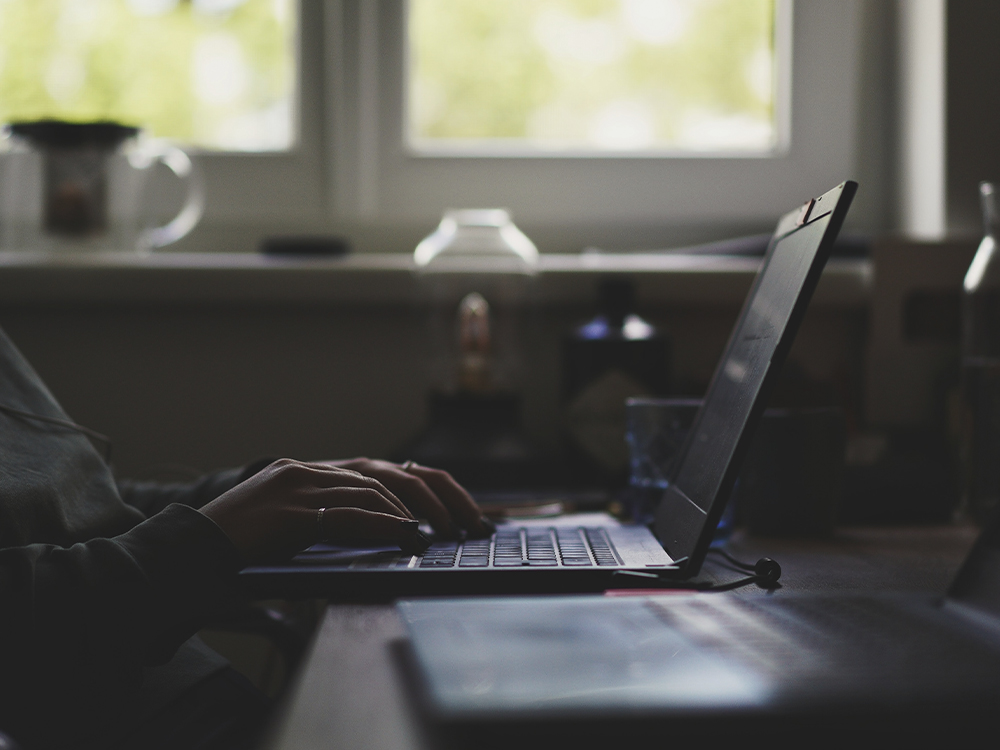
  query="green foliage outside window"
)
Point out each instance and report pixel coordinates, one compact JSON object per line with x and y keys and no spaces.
{"x":604,"y":74}
{"x":212,"y":73}
{"x":694,"y":75}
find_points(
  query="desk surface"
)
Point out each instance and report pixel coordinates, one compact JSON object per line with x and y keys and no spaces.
{"x":349,"y":693}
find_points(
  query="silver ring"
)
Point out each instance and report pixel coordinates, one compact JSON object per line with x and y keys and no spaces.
{"x":408,"y":465}
{"x":319,"y":521}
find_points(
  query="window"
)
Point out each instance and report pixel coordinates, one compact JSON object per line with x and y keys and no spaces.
{"x":612,"y":198}
{"x":674,"y":76}
{"x":214,"y":74}
{"x":367,"y":155}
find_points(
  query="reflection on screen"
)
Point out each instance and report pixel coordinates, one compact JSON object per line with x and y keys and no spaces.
{"x":738,"y":380}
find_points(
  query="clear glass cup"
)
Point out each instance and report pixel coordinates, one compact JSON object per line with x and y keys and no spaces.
{"x":655,"y":430}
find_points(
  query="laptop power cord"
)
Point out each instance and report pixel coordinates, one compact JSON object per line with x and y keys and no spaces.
{"x":765,"y":573}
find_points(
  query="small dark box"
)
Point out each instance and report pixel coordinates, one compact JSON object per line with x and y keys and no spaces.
{"x":311,"y":246}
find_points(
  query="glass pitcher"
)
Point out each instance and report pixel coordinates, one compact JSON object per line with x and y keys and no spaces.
{"x":79,"y":186}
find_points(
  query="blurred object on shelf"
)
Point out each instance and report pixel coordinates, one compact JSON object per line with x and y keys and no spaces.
{"x":80,"y":186}
{"x":484,"y":236}
{"x":904,"y":457}
{"x":474,"y":345}
{"x":614,"y":356}
{"x":306,"y":246}
{"x":476,"y":269}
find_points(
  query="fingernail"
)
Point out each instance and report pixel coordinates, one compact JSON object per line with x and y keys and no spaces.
{"x":416,"y":544}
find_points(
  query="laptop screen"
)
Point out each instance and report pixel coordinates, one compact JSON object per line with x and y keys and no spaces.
{"x":691,"y":505}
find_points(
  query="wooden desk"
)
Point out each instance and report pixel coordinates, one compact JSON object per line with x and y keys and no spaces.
{"x":350,"y":695}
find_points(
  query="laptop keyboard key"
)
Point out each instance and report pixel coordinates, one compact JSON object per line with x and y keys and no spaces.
{"x":533,"y":547}
{"x":603,"y":554}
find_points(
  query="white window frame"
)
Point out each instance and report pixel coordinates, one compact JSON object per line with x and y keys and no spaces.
{"x":278,"y":188}
{"x":375,"y":179}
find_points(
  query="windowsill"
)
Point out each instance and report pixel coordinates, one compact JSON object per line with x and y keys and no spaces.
{"x":172,"y":278}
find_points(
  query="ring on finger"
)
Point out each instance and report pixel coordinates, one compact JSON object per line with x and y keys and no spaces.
{"x":407,"y":465}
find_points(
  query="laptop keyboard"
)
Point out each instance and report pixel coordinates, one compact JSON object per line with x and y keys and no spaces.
{"x":533,"y":547}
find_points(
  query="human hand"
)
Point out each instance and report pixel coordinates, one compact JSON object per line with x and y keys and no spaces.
{"x":277,"y":512}
{"x":427,"y":493}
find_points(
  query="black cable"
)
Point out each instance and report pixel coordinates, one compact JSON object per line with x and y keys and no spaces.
{"x":65,"y":423}
{"x":766,"y":573}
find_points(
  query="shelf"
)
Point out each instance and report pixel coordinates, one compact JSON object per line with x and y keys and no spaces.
{"x":223,"y":279}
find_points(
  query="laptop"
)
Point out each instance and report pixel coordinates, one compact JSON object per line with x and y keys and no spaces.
{"x":593,"y":552}
{"x":835,"y":669}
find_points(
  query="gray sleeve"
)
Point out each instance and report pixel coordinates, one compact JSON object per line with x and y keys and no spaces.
{"x":78,"y":623}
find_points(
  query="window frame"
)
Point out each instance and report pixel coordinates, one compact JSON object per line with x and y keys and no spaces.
{"x":350,"y":172}
{"x":635,"y":198}
{"x":277,"y":187}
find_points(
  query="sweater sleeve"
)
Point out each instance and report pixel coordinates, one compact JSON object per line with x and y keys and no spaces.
{"x":78,"y":623}
{"x":152,"y":497}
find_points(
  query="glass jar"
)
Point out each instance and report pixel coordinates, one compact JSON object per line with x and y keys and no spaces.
{"x":476,"y":272}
